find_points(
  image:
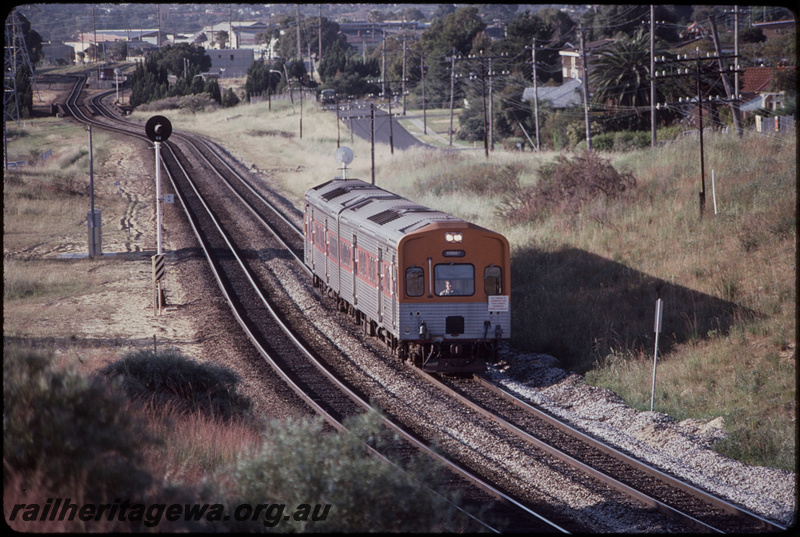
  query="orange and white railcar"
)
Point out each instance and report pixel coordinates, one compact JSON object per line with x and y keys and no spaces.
{"x":433,"y":287}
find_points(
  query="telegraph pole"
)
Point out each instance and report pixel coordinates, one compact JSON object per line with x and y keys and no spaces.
{"x":698,"y":100}
{"x":652,"y":78}
{"x":535,"y":93}
{"x":586,"y":91}
{"x":404,"y":75}
{"x":732,"y":96}
{"x":299,"y":50}
{"x":422,"y":76}
{"x":452,"y":91}
{"x":491,"y":106}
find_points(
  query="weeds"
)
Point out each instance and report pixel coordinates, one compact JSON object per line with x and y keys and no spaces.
{"x":565,"y":187}
{"x":169,"y":378}
{"x":66,"y":431}
{"x":300,"y":464}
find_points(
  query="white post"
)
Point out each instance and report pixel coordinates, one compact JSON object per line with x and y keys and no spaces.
{"x":659,"y":310}
{"x":713,"y":192}
{"x":158,"y":196}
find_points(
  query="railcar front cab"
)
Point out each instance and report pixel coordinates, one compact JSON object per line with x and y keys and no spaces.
{"x":454,"y":293}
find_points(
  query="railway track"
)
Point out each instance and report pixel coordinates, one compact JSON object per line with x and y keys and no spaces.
{"x":253,"y":302}
{"x":239,"y":261}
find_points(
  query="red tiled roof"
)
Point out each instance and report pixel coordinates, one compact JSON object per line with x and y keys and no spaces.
{"x":756,"y":79}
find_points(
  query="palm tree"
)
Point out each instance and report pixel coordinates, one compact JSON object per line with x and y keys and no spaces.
{"x":620,"y":76}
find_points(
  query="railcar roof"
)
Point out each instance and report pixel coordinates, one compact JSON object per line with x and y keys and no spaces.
{"x":373,"y":208}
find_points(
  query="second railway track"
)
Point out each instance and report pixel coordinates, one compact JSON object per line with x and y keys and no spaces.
{"x":476,"y":442}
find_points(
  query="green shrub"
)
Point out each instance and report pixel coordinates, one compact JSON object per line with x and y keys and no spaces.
{"x":565,"y":186}
{"x":621,"y":140}
{"x":300,"y":464}
{"x":603,"y":142}
{"x":168,"y":377}
{"x":68,"y":432}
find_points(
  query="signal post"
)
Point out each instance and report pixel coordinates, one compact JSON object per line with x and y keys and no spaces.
{"x":158,"y":129}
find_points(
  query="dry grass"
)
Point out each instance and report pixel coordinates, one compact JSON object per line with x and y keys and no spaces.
{"x":585,"y":283}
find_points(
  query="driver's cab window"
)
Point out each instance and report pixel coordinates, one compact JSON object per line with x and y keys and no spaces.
{"x":415,"y":281}
{"x":454,"y":279}
{"x":493,"y":280}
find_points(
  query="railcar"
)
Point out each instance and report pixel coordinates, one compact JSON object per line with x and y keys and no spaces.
{"x":434,"y":288}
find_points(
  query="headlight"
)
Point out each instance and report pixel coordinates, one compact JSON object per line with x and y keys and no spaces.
{"x":453,"y":236}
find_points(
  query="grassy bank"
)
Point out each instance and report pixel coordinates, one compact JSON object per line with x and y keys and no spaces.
{"x":585,"y":281}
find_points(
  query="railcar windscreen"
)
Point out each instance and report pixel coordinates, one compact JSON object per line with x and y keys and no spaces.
{"x":492,"y":280}
{"x":415,"y":281}
{"x":454,"y":279}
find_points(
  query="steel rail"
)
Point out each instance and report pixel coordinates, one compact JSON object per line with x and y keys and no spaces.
{"x":398,"y":429}
{"x":564,"y":457}
{"x":670,"y":480}
{"x":408,"y":437}
{"x":667,"y":479}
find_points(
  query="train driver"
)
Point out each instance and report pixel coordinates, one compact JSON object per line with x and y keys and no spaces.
{"x":448,"y":289}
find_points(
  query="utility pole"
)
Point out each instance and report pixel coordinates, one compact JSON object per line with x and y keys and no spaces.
{"x":733,"y":101}
{"x":299,"y":50}
{"x":452,"y":91}
{"x":487,"y":121}
{"x":422,"y":75}
{"x":383,"y":65}
{"x":699,"y":100}
{"x":158,"y":18}
{"x":702,"y":152}
{"x":372,"y":138}
{"x":319,"y":36}
{"x":736,"y":49}
{"x":535,"y":93}
{"x":391,"y":129}
{"x":652,"y":77}
{"x":586,"y":91}
{"x":404,"y":75}
{"x":483,"y":94}
{"x":491,"y":106}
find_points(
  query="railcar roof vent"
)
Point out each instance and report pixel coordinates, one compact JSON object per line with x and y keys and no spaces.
{"x":335,"y":193}
{"x":385,"y":217}
{"x":390,"y":215}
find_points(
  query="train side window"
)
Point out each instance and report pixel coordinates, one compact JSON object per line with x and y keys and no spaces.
{"x":454,"y":279}
{"x":362,"y":264}
{"x":372,"y":272}
{"x":344,"y":247}
{"x":415,"y":281}
{"x":333,"y":249}
{"x":319,"y":236}
{"x":493,"y":280}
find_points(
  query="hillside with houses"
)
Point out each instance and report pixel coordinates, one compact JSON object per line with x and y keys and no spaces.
{"x":542,"y":75}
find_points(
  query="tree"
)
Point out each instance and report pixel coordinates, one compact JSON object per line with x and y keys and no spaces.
{"x":333,"y":62}
{"x":212,"y":88}
{"x":261,"y":78}
{"x":149,"y":81}
{"x":221,"y":38}
{"x":229,"y":98}
{"x":620,"y":77}
{"x":454,"y":33}
{"x":551,"y":28}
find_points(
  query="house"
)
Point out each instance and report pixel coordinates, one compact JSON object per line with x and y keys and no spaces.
{"x":56,"y":53}
{"x":568,"y":94}
{"x":755,"y":84}
{"x":231,"y":63}
{"x":572,"y":62}
{"x":775,"y":29}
